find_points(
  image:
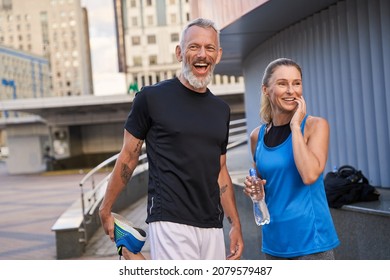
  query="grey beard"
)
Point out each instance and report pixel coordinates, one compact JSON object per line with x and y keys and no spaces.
{"x":195,"y":81}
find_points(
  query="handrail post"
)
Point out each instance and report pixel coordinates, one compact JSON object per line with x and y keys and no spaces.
{"x":83,"y":210}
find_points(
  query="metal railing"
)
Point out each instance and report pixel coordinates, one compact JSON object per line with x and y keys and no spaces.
{"x":92,"y":194}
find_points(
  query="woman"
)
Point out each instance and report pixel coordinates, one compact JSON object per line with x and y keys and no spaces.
{"x":290,"y":152}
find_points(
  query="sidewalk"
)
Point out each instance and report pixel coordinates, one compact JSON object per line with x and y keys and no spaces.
{"x":30,"y":205}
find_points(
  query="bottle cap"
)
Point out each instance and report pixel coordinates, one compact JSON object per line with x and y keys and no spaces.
{"x":252,"y":172}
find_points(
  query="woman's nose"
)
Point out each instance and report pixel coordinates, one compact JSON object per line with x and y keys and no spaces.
{"x":290,"y":89}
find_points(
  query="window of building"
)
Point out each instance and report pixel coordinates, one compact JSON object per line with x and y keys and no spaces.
{"x":173,"y":18}
{"x":172,"y":2}
{"x":175,"y":37}
{"x":150,"y":20}
{"x":134,"y":21}
{"x":135,"y":40}
{"x":152,"y":59}
{"x":137,"y":61}
{"x":133,"y":4}
{"x":148,"y":2}
{"x":151,"y":39}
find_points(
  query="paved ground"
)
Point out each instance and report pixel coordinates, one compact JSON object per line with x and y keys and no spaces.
{"x":30,"y":205}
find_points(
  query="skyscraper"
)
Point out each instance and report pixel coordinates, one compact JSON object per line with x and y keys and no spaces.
{"x":56,"y":30}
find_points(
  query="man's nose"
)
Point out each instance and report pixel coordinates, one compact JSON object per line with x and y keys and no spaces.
{"x":202,"y":52}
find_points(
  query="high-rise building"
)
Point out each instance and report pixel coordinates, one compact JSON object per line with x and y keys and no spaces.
{"x":56,"y":30}
{"x":23,"y":75}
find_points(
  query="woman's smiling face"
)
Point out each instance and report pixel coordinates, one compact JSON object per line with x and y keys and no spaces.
{"x":285,"y":85}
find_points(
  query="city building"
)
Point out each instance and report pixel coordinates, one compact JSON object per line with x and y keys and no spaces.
{"x":23,"y":74}
{"x":56,"y":30}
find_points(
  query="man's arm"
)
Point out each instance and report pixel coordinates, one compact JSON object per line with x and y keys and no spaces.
{"x":123,"y":170}
{"x":229,"y":206}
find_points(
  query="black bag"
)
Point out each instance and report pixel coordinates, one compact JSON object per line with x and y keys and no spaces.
{"x":348,"y":185}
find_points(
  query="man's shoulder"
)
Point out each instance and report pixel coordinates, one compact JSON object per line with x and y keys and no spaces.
{"x":219,"y":100}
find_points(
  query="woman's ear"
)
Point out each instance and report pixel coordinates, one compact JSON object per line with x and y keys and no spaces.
{"x":264,"y":90}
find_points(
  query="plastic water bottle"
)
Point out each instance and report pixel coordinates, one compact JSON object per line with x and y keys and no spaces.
{"x":260,"y":209}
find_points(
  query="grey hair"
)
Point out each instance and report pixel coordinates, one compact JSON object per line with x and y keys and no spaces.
{"x":201,"y":22}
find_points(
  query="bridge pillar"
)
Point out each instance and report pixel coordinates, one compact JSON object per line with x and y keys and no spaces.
{"x":26,"y":144}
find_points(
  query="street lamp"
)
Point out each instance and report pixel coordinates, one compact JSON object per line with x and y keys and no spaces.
{"x":10,"y":83}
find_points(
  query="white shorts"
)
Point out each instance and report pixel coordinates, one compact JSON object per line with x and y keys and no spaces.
{"x":173,"y":241}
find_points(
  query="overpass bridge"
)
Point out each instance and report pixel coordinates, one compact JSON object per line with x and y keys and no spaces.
{"x":74,"y":132}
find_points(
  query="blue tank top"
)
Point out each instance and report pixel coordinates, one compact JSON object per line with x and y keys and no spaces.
{"x":301,"y":222}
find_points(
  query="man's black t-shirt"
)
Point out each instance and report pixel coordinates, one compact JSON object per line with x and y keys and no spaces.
{"x":186,"y":133}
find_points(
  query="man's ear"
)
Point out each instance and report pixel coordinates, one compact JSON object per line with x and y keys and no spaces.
{"x":178,"y":53}
{"x":219,"y":56}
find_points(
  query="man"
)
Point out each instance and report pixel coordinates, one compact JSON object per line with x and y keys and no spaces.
{"x":186,"y":132}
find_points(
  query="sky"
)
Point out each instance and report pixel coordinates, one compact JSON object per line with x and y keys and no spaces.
{"x":106,"y":78}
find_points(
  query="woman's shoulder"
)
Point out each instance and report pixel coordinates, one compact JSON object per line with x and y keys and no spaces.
{"x":254,"y":135}
{"x":255,"y":132}
{"x":314,"y":122}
